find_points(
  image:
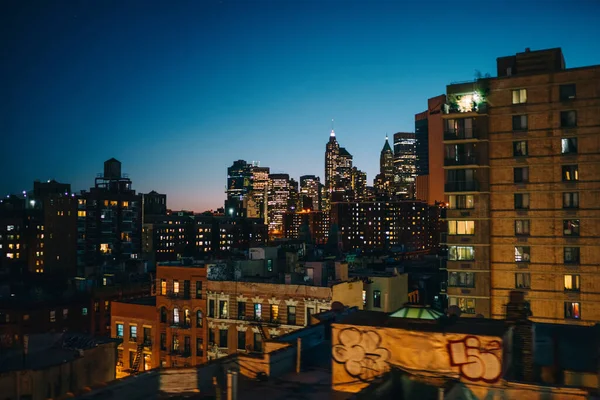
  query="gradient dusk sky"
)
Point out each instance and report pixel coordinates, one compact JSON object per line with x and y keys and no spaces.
{"x":178,"y":90}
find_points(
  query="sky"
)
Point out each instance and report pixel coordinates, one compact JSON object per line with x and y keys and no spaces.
{"x":177,"y":90}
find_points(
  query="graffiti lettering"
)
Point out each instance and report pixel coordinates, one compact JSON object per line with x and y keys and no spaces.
{"x":360,"y":353}
{"x":475,"y":363}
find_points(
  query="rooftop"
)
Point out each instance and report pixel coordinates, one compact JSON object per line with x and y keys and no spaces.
{"x":474,"y":326}
{"x":142,"y":301}
{"x":48,"y":349}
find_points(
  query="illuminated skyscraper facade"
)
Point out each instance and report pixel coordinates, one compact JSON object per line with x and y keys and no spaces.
{"x":405,"y":162}
{"x":332,"y":151}
{"x":278,"y":201}
{"x":239,"y":183}
{"x":310,"y":192}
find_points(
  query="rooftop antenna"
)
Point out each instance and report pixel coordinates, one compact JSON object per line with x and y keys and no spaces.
{"x":332,"y":131}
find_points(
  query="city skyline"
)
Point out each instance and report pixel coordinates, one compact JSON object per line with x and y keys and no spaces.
{"x":235,"y":81}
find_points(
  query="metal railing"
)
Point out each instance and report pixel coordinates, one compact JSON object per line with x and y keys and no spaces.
{"x":461,"y":186}
{"x":461,"y":159}
{"x":460,"y":134}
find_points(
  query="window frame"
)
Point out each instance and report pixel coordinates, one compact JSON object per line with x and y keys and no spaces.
{"x":518,"y":126}
{"x":564,"y":119}
{"x":573,"y":199}
{"x":570,"y":312}
{"x":572,"y":146}
{"x":376,"y":298}
{"x":521,"y":95}
{"x":518,"y":150}
{"x":564,"y":94}
{"x":525,"y":227}
{"x":525,"y":278}
{"x":457,"y":253}
{"x":519,"y":205}
{"x":570,"y":171}
{"x":575,"y":283}
{"x":454,"y":279}
{"x":575,"y":258}
{"x":577,"y":224}
{"x":524,"y":175}
{"x":526,"y":254}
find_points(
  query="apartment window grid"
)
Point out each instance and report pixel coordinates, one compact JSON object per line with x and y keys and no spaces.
{"x":461,"y":253}
{"x":461,"y":279}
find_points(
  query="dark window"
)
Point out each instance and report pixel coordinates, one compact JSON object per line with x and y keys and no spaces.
{"x":522,"y":280}
{"x":461,"y":279}
{"x":147,"y":335}
{"x":377,"y":298}
{"x":568,"y":92}
{"x":199,"y":318}
{"x":291,"y":315}
{"x":163,"y":341}
{"x":522,"y":253}
{"x":571,"y":227}
{"x":186,"y":289}
{"x":132,"y":333}
{"x":568,"y":119}
{"x":211,"y":308}
{"x":241,"y":340}
{"x":520,"y":148}
{"x":198,"y":289}
{"x":521,"y":175}
{"x":222,"y":337}
{"x":521,"y":201}
{"x":571,"y":255}
{"x":257,"y":342}
{"x":211,"y":337}
{"x":270,"y":265}
{"x":570,"y":173}
{"x":519,"y":122}
{"x":568,"y":145}
{"x":522,"y":227}
{"x":199,"y":347}
{"x":131,"y":359}
{"x":257,"y":311}
{"x":187,"y":346}
{"x":163,"y":315}
{"x":572,"y":310}
{"x":309,"y":312}
{"x":571,"y":200}
{"x":572,"y":283}
{"x":241,"y":310}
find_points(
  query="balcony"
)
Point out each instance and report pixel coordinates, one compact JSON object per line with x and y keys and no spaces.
{"x":462,"y":186}
{"x":461,"y":159}
{"x":461,"y":134}
{"x":180,"y":325}
{"x":148,"y":344}
{"x":465,"y":104}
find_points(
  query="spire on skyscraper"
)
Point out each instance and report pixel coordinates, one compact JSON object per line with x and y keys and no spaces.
{"x":332,"y":134}
{"x":386,"y":146}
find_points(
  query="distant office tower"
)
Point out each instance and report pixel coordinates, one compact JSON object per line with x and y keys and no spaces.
{"x":359,"y":184}
{"x":522,"y":160}
{"x":386,"y":182}
{"x":310,"y":192}
{"x":154,"y":204}
{"x":294,"y":198}
{"x":312,"y":227}
{"x":257,"y":202}
{"x":239,"y":183}
{"x":332,"y":151}
{"x":343,"y":177}
{"x":110,"y":213}
{"x":429,"y":131}
{"x":404,"y":161}
{"x":278,"y":201}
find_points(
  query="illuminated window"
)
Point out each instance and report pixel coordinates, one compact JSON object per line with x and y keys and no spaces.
{"x":571,"y":227}
{"x":570,"y":173}
{"x":520,"y":148}
{"x":223,"y":309}
{"x":461,"y":227}
{"x":572,"y":283}
{"x":571,"y":200}
{"x":105,"y":203}
{"x":257,"y":311}
{"x":176,"y":315}
{"x":81,"y":213}
{"x":105,"y":248}
{"x":84,"y":311}
{"x":572,"y":310}
{"x":377,"y":298}
{"x":114,"y":203}
{"x":163,"y":287}
{"x":461,"y":201}
{"x":274,"y":312}
{"x":519,"y":96}
{"x":364,"y":298}
{"x":120,"y":330}
{"x":466,"y":305}
{"x":125,"y":204}
{"x":568,"y":145}
{"x":522,"y":253}
{"x":199,"y":318}
{"x":52,"y":316}
{"x":175,"y":286}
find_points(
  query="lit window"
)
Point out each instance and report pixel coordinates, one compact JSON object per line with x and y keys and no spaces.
{"x":52,"y":316}
{"x":461,"y":253}
{"x":223,"y":309}
{"x":461,"y":201}
{"x":84,"y":311}
{"x":257,"y":311}
{"x":105,"y":248}
{"x":176,"y":286}
{"x":572,"y":310}
{"x":520,"y":148}
{"x":519,"y":96}
{"x":461,"y":227}
{"x":125,"y":204}
{"x":571,"y":200}
{"x":571,"y":227}
{"x":114,"y":203}
{"x":120,"y":330}
{"x":461,"y":279}
{"x":176,"y":315}
{"x":570,"y":173}
{"x":81,"y":213}
{"x":568,"y":145}
{"x":163,"y":287}
{"x":522,"y":253}
{"x":466,"y":305}
{"x":522,"y":227}
{"x":572,"y":283}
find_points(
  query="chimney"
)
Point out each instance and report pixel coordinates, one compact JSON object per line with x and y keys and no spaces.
{"x":517,"y":316}
{"x":527,"y":50}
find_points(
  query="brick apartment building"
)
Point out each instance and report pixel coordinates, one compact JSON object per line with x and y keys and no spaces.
{"x":522,"y":160}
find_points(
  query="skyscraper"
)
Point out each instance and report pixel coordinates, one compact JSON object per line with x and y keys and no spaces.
{"x":404,"y":161}
{"x":239,"y":183}
{"x":385,"y":182}
{"x":332,"y":151}
{"x":256,"y":204}
{"x":278,"y":201}
{"x":310,"y":192}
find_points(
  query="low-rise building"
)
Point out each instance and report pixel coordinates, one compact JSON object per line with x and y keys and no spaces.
{"x":56,"y":365}
{"x":385,"y":291}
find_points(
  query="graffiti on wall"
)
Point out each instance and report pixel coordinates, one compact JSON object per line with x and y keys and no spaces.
{"x":359,"y":352}
{"x":474,"y":362}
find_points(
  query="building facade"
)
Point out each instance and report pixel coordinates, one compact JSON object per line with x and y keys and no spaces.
{"x":310,"y":226}
{"x":404,"y":163}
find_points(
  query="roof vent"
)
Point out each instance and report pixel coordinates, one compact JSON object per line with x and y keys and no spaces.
{"x":527,"y":50}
